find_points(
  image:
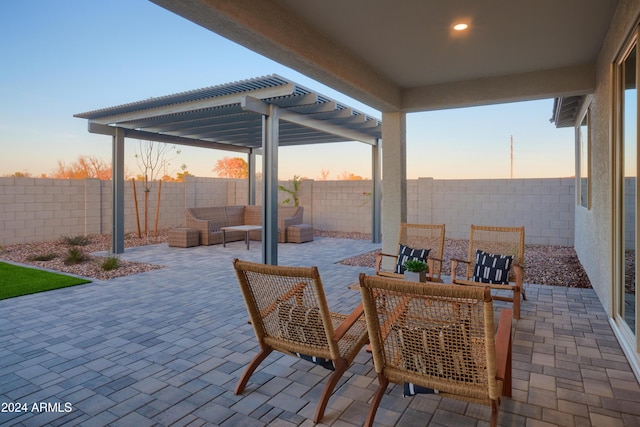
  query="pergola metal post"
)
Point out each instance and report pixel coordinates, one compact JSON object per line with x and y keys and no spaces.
{"x":376,"y":192}
{"x":252,"y":177}
{"x":270,"y":191}
{"x":117,"y":181}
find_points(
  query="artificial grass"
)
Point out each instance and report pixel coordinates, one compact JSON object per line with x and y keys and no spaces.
{"x":16,"y":281}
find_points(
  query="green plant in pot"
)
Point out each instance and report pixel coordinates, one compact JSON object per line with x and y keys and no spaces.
{"x":415,"y":270}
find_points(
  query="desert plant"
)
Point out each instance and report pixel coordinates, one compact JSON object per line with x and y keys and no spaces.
{"x":78,"y":240}
{"x":295,"y":188}
{"x":110,"y":263}
{"x":42,"y":257}
{"x":75,"y":256}
{"x":416,"y":265}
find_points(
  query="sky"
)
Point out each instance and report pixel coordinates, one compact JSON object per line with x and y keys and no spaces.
{"x":63,"y":57}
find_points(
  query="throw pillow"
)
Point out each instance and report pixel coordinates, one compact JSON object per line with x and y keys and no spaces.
{"x":411,"y":389}
{"x":405,"y":253}
{"x":492,"y":268}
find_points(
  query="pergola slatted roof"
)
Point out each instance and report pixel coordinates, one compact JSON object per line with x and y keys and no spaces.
{"x":252,"y":116}
{"x":222,"y":116}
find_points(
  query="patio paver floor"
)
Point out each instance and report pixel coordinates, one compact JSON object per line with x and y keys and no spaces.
{"x":167,"y":347}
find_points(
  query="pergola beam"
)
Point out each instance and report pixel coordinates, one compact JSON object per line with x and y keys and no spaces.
{"x":250,"y":103}
{"x":159,"y":137}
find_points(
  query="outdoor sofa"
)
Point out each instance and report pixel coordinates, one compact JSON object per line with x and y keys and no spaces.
{"x":208,"y":221}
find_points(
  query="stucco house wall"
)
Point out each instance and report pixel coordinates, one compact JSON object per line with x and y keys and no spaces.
{"x":593,"y":228}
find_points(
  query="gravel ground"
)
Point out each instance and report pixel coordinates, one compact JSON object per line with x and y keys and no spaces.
{"x":91,"y":268}
{"x":545,"y":265}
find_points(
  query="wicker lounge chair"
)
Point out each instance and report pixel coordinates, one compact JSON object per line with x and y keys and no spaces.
{"x":440,"y":337}
{"x":494,"y":242}
{"x":289,"y":313}
{"x":418,"y":237}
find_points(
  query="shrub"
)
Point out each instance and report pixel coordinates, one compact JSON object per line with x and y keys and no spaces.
{"x":110,"y":263}
{"x":42,"y":257}
{"x":76,"y":240}
{"x":416,"y":265}
{"x":75,"y":256}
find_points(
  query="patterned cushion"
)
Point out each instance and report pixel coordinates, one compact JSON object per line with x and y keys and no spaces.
{"x":410,"y":389}
{"x":405,"y":253}
{"x":303,"y":324}
{"x":492,"y":268}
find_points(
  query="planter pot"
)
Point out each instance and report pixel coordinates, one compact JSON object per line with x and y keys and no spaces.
{"x":412,"y":276}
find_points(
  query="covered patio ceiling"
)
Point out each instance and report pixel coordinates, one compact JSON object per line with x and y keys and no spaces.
{"x":404,"y":55}
{"x":254,"y":116}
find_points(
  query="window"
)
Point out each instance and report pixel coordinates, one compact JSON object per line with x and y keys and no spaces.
{"x":583,"y":141}
{"x":625,"y":137}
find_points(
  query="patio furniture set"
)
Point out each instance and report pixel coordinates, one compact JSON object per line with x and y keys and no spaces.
{"x":430,"y":337}
{"x":495,"y":258}
{"x":223,"y":224}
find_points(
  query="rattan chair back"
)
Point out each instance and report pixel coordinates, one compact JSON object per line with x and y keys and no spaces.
{"x":420,"y":236}
{"x":496,"y":240}
{"x":435,"y":336}
{"x":289,"y":313}
{"x":288,"y":308}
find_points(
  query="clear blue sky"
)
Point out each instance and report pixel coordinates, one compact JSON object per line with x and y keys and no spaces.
{"x":65,"y":57}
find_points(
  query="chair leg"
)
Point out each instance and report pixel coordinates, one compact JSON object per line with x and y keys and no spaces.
{"x":494,"y":414}
{"x":341,"y":366}
{"x":516,"y":303}
{"x":244,"y":379}
{"x":507,"y":385}
{"x":384,"y":382}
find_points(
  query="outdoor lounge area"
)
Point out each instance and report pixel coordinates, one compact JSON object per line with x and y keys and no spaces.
{"x":168,"y":346}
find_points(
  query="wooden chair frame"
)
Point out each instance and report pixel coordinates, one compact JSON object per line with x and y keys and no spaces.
{"x":289,"y":313}
{"x":456,"y":351}
{"x":418,"y":236}
{"x":495,"y":240}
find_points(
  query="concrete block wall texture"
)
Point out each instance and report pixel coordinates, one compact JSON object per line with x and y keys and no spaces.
{"x":342,"y":206}
{"x":36,"y":209}
{"x":545,"y":207}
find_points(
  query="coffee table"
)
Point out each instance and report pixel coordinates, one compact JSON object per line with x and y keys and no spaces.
{"x":245,"y":228}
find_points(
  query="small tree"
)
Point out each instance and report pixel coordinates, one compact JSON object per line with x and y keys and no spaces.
{"x":349,"y":176}
{"x":153,"y":159}
{"x":324,"y":174}
{"x":235,"y":167}
{"x":84,"y":167}
{"x":295,"y":188}
{"x":181,"y":176}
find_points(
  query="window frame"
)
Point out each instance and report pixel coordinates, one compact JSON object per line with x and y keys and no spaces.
{"x":583,"y":160}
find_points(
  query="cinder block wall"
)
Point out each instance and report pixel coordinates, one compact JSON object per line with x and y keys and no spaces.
{"x":35,"y":209}
{"x":342,"y":205}
{"x":31,"y":207}
{"x":545,"y":207}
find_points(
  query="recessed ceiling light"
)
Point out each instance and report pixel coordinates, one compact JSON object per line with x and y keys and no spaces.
{"x":460,"y":27}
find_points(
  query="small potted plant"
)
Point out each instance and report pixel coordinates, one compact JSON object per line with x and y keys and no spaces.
{"x":415,"y":270}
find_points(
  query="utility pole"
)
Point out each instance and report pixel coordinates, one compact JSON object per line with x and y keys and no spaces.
{"x":511,"y":156}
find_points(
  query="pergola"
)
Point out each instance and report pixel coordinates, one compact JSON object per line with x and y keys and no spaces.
{"x":254,"y":116}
